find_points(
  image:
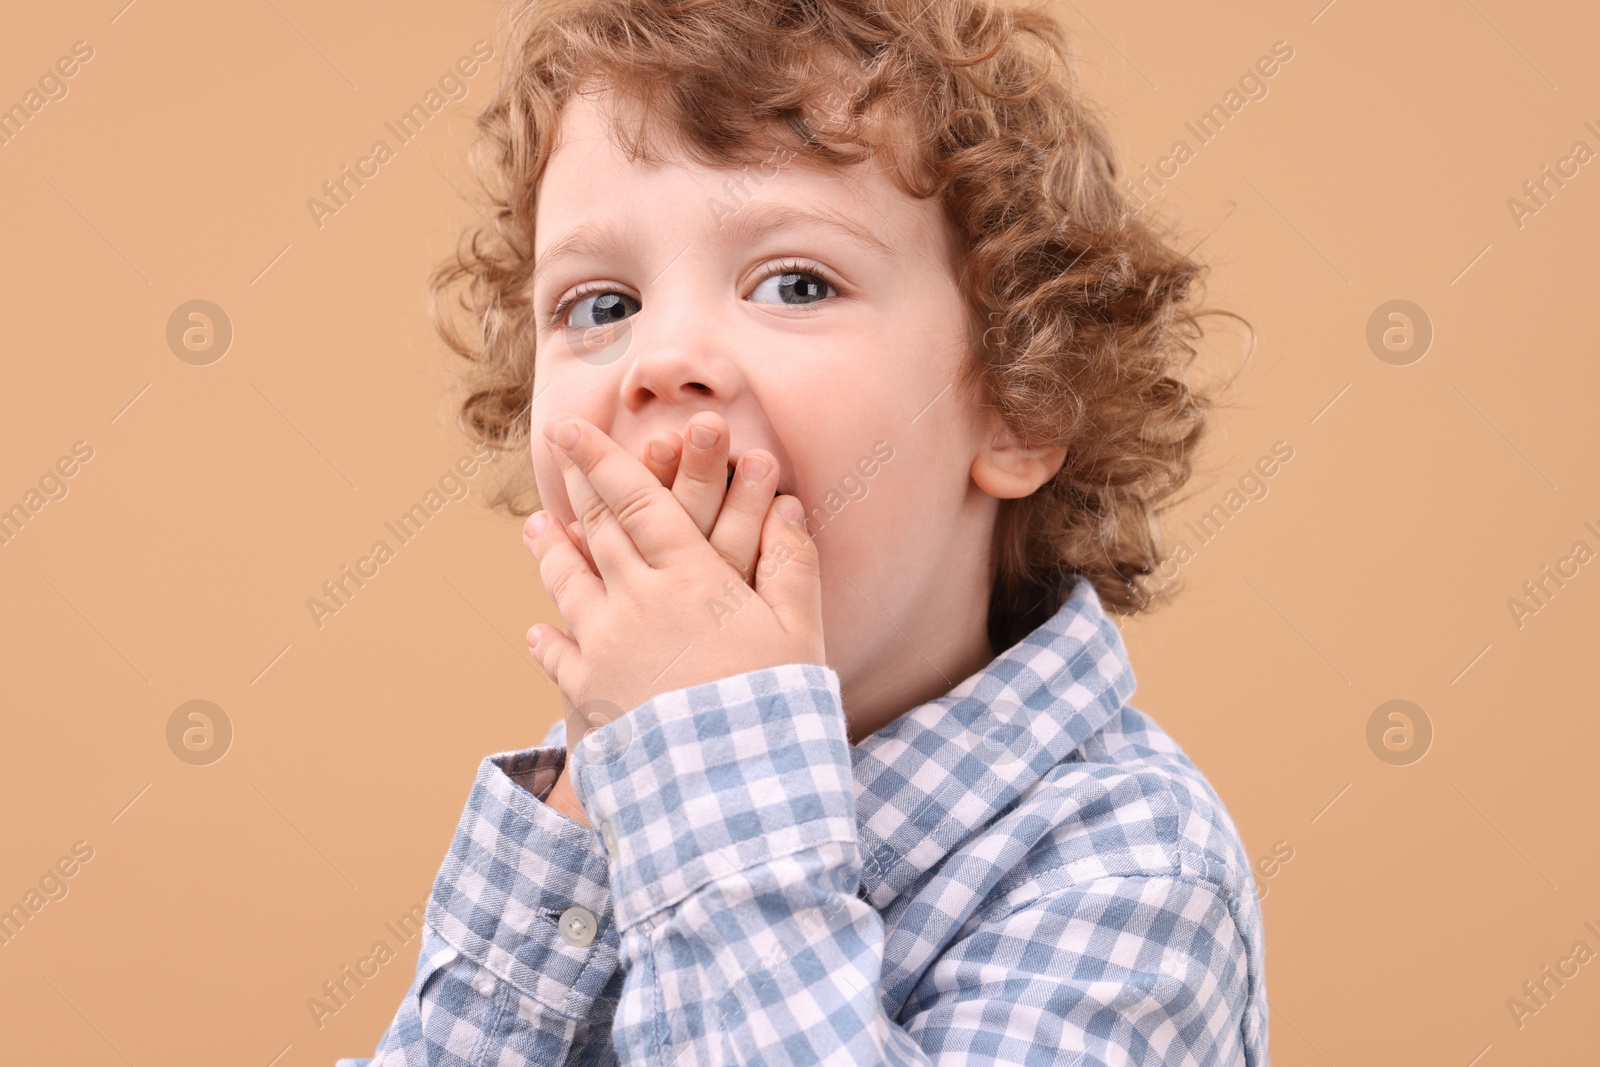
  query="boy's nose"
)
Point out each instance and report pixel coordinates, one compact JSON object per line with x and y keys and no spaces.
{"x":681,"y":368}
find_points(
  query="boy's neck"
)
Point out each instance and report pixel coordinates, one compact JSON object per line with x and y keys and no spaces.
{"x":921,"y":664}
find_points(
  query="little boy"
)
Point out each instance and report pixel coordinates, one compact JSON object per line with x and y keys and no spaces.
{"x":851,"y":386}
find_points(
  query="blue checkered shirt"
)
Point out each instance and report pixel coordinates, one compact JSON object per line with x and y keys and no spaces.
{"x":1027,"y":870}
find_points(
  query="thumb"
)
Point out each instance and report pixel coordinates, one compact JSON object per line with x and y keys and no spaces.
{"x":788,"y":571}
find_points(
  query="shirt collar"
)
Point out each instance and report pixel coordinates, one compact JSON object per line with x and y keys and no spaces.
{"x":945,"y":770}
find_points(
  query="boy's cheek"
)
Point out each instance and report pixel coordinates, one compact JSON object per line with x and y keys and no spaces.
{"x":552,"y":490}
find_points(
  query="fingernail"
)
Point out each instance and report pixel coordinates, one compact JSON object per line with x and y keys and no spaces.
{"x":756,"y":467}
{"x":789,"y":509}
{"x":537,"y":523}
{"x":702,"y":436}
{"x":564,"y":434}
{"x":660,"y":451}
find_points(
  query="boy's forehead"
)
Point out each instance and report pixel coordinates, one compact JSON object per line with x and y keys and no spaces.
{"x":588,"y":169}
{"x":587,"y":149}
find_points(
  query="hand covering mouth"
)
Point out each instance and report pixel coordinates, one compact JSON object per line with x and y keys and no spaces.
{"x":733,"y":467}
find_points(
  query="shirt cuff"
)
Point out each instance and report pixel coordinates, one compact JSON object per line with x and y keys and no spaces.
{"x":708,"y":781}
{"x":514,"y":867}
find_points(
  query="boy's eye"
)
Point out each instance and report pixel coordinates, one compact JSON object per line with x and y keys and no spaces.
{"x":605,"y":307}
{"x":792,"y":284}
{"x":808,"y":286}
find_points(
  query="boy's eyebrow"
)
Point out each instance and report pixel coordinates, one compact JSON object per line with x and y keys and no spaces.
{"x":747,"y":224}
{"x":757,"y":221}
{"x":584,"y":241}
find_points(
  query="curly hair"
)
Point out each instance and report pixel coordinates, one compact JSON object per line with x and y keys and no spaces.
{"x":1083,"y":315}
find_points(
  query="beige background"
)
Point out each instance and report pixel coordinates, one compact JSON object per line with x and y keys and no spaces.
{"x":219,"y":898}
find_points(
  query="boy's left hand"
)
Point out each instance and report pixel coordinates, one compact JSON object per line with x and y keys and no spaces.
{"x":661,"y":613}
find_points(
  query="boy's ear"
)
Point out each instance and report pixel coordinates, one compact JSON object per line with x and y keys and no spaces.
{"x":1008,"y":470}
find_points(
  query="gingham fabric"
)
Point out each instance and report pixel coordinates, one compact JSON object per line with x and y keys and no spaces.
{"x":1027,"y":870}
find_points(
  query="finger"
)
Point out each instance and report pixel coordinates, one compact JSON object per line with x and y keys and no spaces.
{"x":611,"y":546}
{"x":575,"y":532}
{"x":789,"y":573}
{"x":737,"y":536}
{"x":703,"y":469}
{"x":661,"y":456}
{"x":575,"y":589}
{"x":556,"y":653}
{"x":627,"y":515}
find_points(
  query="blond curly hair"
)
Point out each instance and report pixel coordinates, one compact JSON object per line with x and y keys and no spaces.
{"x":1083,"y":320}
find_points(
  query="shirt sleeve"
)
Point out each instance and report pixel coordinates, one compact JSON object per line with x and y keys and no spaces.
{"x":728,"y":812}
{"x":518,"y":962}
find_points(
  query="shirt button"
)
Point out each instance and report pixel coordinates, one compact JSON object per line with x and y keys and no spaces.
{"x":578,"y":926}
{"x":609,"y":836}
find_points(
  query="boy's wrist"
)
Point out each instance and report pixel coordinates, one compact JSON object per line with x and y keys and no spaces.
{"x":563,"y":799}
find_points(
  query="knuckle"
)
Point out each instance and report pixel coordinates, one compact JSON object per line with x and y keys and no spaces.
{"x":733,"y":561}
{"x":593,"y":515}
{"x":554,"y":660}
{"x":559,"y":583}
{"x":704,"y":477}
{"x":706,"y":466}
{"x":801,"y":555}
{"x":636,"y":504}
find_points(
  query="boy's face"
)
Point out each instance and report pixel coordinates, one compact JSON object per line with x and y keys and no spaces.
{"x":831,"y":371}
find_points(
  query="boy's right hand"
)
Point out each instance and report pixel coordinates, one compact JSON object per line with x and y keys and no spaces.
{"x":698,"y":478}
